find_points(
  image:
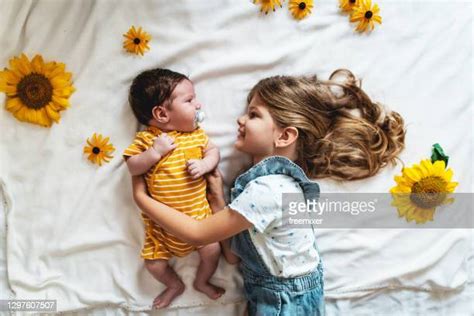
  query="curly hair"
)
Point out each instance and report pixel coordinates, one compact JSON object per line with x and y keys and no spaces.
{"x":342,"y":133}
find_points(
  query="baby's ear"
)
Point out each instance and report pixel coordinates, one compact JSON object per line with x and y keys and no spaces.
{"x":160,"y":114}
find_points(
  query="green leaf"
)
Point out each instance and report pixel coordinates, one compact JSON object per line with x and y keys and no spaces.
{"x":437,"y":153}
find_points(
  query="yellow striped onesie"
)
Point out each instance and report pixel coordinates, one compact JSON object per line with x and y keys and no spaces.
{"x":169,"y":182}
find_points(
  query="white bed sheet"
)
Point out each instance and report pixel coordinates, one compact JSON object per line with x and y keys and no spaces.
{"x":395,"y":301}
{"x":419,"y":62}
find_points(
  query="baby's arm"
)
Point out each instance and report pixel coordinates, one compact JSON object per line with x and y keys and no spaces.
{"x":141,"y":163}
{"x":199,"y":167}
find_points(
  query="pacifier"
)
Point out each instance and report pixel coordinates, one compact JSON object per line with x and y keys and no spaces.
{"x":199,"y":117}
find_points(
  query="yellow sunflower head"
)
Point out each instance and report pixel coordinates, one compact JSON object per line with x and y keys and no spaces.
{"x":366,"y":15}
{"x":300,"y":8}
{"x":348,"y":5}
{"x":136,"y":41}
{"x":36,"y":91}
{"x":99,"y":149}
{"x":267,"y":5}
{"x":421,"y":188}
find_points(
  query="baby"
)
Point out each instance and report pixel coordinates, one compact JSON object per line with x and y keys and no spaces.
{"x":173,"y":154}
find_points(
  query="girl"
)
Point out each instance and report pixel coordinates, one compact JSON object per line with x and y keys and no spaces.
{"x":294,"y":127}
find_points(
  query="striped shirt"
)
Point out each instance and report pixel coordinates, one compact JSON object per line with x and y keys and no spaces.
{"x":168,"y":181}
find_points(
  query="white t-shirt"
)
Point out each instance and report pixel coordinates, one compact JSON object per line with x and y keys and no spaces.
{"x":287,"y":251}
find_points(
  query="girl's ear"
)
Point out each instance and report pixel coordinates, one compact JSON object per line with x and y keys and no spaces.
{"x":160,"y":114}
{"x":287,"y":136}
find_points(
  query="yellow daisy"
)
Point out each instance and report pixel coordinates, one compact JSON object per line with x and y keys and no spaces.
{"x":300,"y":8}
{"x":422,"y":188}
{"x":136,"y":41}
{"x":348,"y":5}
{"x":267,"y":5}
{"x":365,"y":14}
{"x":98,"y":149}
{"x":36,"y":91}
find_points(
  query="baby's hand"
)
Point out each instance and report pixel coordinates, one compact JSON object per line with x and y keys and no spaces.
{"x":163,"y":144}
{"x":196,"y":168}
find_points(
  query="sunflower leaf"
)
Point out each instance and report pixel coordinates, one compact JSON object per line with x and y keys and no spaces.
{"x":437,"y":153}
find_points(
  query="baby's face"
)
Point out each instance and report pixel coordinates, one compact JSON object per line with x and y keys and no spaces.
{"x":184,"y":105}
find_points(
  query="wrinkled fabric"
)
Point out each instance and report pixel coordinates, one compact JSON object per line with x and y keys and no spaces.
{"x":68,"y":220}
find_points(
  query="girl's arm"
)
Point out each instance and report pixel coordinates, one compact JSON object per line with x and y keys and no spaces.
{"x":215,"y":196}
{"x":229,"y":256}
{"x":215,"y":228}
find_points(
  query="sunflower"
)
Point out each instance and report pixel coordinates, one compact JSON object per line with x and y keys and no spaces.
{"x":348,"y":5}
{"x":422,"y":188}
{"x":266,"y":5}
{"x":36,"y":91}
{"x":300,"y":8}
{"x":99,"y":149}
{"x":136,"y":41}
{"x":366,"y":15}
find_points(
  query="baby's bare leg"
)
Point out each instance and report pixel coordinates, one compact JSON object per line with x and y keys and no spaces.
{"x":165,"y":274}
{"x":207,"y":266}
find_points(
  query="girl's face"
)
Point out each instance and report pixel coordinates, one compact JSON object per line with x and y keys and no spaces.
{"x":257,"y":131}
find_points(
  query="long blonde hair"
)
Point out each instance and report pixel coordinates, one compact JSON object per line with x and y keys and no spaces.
{"x":342,"y":134}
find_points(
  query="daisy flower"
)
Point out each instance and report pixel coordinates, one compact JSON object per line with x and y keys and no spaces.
{"x":300,"y":8}
{"x":267,"y":5}
{"x":366,"y":15}
{"x":98,"y":149}
{"x":348,"y":5}
{"x":136,"y":41}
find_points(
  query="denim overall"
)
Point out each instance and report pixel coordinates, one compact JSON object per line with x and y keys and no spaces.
{"x":267,"y":294}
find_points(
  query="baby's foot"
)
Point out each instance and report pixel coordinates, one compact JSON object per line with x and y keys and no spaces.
{"x":212,"y":291}
{"x":168,"y":295}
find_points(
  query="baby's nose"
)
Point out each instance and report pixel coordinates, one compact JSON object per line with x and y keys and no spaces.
{"x":198,"y":106}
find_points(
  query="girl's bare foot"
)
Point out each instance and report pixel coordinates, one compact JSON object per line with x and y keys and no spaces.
{"x":212,"y":291}
{"x":168,"y":295}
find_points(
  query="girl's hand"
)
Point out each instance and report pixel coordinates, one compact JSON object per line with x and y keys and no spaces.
{"x":215,"y":190}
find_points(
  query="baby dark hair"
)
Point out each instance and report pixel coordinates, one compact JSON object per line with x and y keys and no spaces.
{"x":151,"y":88}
